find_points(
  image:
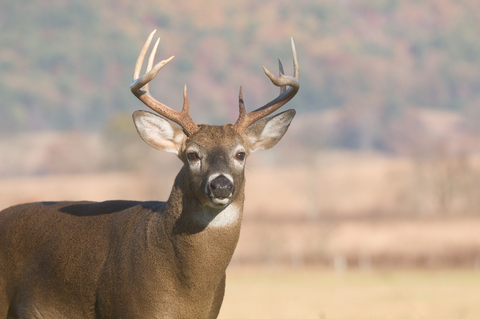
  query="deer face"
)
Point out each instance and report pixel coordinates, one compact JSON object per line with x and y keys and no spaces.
{"x":214,"y":157}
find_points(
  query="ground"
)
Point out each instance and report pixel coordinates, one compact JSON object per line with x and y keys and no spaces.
{"x":323,"y":294}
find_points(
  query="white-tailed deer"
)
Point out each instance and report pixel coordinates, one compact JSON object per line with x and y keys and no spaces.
{"x":127,"y":259}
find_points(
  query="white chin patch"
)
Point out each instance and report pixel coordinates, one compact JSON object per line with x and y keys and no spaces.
{"x":220,"y":201}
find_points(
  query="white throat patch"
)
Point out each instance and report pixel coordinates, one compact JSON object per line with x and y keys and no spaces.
{"x":226,"y":217}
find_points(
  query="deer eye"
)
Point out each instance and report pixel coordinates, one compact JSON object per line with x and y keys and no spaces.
{"x":193,"y":157}
{"x":240,"y":156}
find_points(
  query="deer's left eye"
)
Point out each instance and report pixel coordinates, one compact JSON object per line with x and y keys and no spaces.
{"x":240,"y":156}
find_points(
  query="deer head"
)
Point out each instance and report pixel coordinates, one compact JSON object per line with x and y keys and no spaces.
{"x":213,"y":156}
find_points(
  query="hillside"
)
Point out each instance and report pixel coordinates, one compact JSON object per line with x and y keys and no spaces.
{"x":67,"y":64}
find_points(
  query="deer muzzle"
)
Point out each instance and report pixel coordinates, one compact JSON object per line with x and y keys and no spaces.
{"x":220,"y":190}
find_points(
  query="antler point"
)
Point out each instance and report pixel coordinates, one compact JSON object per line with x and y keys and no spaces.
{"x":241,"y":103}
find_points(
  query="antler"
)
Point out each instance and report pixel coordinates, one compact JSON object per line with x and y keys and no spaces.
{"x":245,"y":119}
{"x":140,"y":87}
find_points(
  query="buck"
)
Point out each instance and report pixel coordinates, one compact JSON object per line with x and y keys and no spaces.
{"x":128,"y":259}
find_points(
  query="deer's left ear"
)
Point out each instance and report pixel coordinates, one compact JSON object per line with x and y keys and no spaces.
{"x":265,"y":133}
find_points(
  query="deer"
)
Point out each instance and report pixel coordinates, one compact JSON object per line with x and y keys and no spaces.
{"x":132,"y":259}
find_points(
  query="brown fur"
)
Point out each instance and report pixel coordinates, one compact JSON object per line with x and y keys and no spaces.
{"x":126,"y":259}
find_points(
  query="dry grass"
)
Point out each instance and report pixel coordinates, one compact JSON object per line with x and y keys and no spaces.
{"x":431,"y":243}
{"x":343,"y":189}
{"x":320,"y":294}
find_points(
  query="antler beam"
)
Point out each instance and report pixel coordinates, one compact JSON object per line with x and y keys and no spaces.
{"x":140,"y":88}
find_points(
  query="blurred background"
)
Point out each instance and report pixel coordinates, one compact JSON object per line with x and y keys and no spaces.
{"x":380,"y":169}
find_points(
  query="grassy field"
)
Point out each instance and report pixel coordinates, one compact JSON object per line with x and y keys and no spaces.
{"x":321,"y":294}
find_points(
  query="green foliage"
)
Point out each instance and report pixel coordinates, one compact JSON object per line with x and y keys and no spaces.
{"x":68,"y":64}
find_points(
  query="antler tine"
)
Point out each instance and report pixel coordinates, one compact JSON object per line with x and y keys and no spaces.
{"x":281,"y":73}
{"x":140,"y":88}
{"x":245,"y":119}
{"x":150,"y":61}
{"x":296,"y":66}
{"x":241,"y":106}
{"x":138,"y":66}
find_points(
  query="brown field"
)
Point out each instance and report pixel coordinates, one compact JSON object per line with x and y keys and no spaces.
{"x":320,"y":294}
{"x":354,"y":212}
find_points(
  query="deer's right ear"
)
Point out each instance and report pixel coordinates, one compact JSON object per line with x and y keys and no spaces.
{"x":158,"y":132}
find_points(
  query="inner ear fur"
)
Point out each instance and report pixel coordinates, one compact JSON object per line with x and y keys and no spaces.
{"x":158,"y":132}
{"x":265,"y":133}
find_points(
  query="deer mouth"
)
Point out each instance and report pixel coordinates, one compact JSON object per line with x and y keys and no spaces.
{"x":220,"y":201}
{"x":220,"y":189}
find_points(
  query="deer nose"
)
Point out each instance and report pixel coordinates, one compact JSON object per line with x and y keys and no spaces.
{"x":221,"y":187}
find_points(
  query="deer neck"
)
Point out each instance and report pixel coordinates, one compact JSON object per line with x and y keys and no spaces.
{"x":204,"y":238}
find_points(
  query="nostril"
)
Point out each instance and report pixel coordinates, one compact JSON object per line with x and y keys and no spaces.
{"x":221,"y":187}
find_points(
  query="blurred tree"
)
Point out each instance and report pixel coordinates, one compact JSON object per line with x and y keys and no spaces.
{"x":68,"y":65}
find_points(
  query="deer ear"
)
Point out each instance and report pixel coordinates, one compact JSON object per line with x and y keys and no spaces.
{"x":265,"y":133}
{"x":158,"y":132}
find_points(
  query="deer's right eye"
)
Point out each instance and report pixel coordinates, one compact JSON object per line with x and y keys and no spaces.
{"x":193,"y":157}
